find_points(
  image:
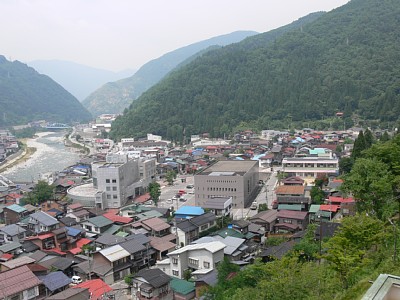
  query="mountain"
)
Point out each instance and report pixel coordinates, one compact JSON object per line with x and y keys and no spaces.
{"x":26,"y":95}
{"x":79,"y":80}
{"x":114,"y":97}
{"x":216,"y":90}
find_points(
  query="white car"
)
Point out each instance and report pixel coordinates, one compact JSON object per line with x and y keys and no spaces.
{"x":169,"y":201}
{"x":76,"y":279}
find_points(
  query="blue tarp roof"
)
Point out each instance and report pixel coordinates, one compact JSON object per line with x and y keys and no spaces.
{"x":171,"y":163}
{"x":257,"y":157}
{"x":197,"y":153}
{"x":73,"y":231}
{"x":190,"y":210}
{"x":239,"y":158}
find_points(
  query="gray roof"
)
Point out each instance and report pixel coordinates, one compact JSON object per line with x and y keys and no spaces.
{"x":155,"y":277}
{"x":233,"y":244}
{"x":132,"y":246}
{"x":29,"y":246}
{"x":76,"y":293}
{"x":63,"y":263}
{"x":55,"y":280}
{"x":9,"y":247}
{"x":210,"y":278}
{"x":216,"y":202}
{"x":38,"y":255}
{"x":44,"y":218}
{"x":196,"y":222}
{"x":108,"y":239}
{"x":95,"y":267}
{"x":100,"y":221}
{"x":12,"y":229}
{"x":240,"y":167}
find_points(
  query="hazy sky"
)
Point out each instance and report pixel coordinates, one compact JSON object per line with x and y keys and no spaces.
{"x":121,"y":34}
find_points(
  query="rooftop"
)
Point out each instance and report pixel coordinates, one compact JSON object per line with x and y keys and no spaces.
{"x":155,"y":277}
{"x":100,"y":221}
{"x":17,"y":280}
{"x":55,"y":280}
{"x":44,"y":218}
{"x":290,"y":190}
{"x":18,"y":262}
{"x":114,"y":253}
{"x":12,"y":229}
{"x":211,"y":247}
{"x":97,"y":288}
{"x":226,"y":168}
{"x":16,"y":208}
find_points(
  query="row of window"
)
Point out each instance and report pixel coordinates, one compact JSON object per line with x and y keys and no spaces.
{"x":111,"y":180}
{"x":219,"y":189}
{"x":114,"y":188}
{"x":220,"y":181}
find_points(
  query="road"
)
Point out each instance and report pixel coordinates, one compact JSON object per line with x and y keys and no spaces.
{"x":168,"y":192}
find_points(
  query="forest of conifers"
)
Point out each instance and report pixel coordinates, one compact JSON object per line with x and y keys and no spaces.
{"x":346,"y":60}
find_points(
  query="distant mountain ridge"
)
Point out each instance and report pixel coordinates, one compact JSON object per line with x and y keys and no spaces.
{"x":26,"y":95}
{"x":78,"y":79}
{"x":114,"y":97}
{"x":346,"y":60}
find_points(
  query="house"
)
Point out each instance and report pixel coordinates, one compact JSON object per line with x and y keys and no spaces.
{"x":193,"y":257}
{"x":14,"y":213}
{"x":98,"y":289}
{"x":220,"y":206}
{"x":187,"y":212}
{"x":277,"y":252}
{"x":54,"y":282}
{"x":17,"y":262}
{"x":118,"y":259}
{"x":117,"y":219}
{"x":151,"y":284}
{"x":190,"y":229}
{"x":235,"y":247}
{"x":13,"y":248}
{"x":204,"y":282}
{"x":140,"y":252}
{"x":71,"y":294}
{"x":291,"y":197}
{"x":384,"y":287}
{"x":266,"y":219}
{"x":97,"y":225}
{"x":62,"y":240}
{"x":42,"y":222}
{"x":11,"y":233}
{"x":182,"y":289}
{"x":293,"y":180}
{"x":291,"y":221}
{"x":44,"y":241}
{"x":163,"y":245}
{"x":155,"y":227}
{"x":79,"y":215}
{"x":11,"y":286}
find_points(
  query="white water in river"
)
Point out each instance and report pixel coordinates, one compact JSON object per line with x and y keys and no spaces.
{"x":51,"y":155}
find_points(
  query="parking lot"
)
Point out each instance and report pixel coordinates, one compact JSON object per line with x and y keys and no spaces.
{"x":169,"y":192}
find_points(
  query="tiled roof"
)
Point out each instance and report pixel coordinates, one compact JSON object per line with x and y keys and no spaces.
{"x":329,"y":207}
{"x":155,"y":277}
{"x":113,"y":229}
{"x":290,"y":190}
{"x":181,"y":286}
{"x":211,"y":247}
{"x":291,"y":214}
{"x":100,"y":221}
{"x":161,"y":244}
{"x":114,"y":253}
{"x":75,"y":206}
{"x":109,"y":239}
{"x":9,"y":247}
{"x":267,"y":215}
{"x":76,"y":293}
{"x":71,"y":231}
{"x":12,"y":229}
{"x":18,"y":262}
{"x":40,"y":236}
{"x":44,"y":218}
{"x":16,"y":208}
{"x":79,"y":244}
{"x":155,"y":224}
{"x":118,"y":219}
{"x":17,"y":280}
{"x":97,"y":288}
{"x":132,"y":246}
{"x":55,"y":280}
{"x":196,"y":222}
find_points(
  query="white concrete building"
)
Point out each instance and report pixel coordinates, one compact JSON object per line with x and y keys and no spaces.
{"x":203,"y":256}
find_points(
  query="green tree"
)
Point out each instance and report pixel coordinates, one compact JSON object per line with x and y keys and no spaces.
{"x":385,"y":137}
{"x":317,"y":195}
{"x":370,"y":182}
{"x":262,"y":207}
{"x":368,"y":138}
{"x":359,"y":146}
{"x":345,"y":165}
{"x":170,"y":176}
{"x":155,"y":192}
{"x":40,"y":193}
{"x":308,"y":247}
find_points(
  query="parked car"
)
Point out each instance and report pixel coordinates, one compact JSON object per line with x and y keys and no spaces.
{"x":76,"y":279}
{"x":254,"y":205}
{"x":181,"y":192}
{"x":169,"y":201}
{"x":182,"y":199}
{"x":190,"y":186}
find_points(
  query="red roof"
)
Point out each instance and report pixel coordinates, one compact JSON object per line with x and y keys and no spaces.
{"x":97,"y":288}
{"x":75,"y":205}
{"x":6,"y":256}
{"x":142,"y":198}
{"x":292,"y":214}
{"x":79,"y":244}
{"x":14,"y":195}
{"x":55,"y":250}
{"x":329,"y":207}
{"x":40,"y":237}
{"x":117,"y":219}
{"x":17,"y":280}
{"x":340,"y":199}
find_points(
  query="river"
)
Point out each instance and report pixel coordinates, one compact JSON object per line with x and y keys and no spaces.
{"x":51,"y":155}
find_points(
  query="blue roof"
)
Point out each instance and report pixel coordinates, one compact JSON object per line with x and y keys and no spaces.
{"x":172,"y":163}
{"x":257,"y":157}
{"x":197,"y":152}
{"x":73,"y":231}
{"x":239,"y":158}
{"x":55,"y":280}
{"x":190,"y":210}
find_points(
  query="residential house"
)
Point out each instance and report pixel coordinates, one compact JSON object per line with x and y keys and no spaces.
{"x":15,"y":263}
{"x":292,"y":180}
{"x":71,"y":294}
{"x":42,"y":222}
{"x":193,"y":257}
{"x":291,"y":221}
{"x":277,"y":252}
{"x":116,"y":219}
{"x":190,"y":229}
{"x":97,"y":225}
{"x":220,"y":206}
{"x":182,"y":289}
{"x":155,"y":226}
{"x":235,"y":247}
{"x":204,"y":282}
{"x":151,"y":284}
{"x":140,"y":251}
{"x":98,"y":289}
{"x":266,"y":219}
{"x":14,"y":213}
{"x":118,"y":259}
{"x":13,"y":248}
{"x":11,"y":286}
{"x":44,"y":241}
{"x":11,"y":233}
{"x":187,"y":212}
{"x":53,"y":282}
{"x":62,"y":240}
{"x":79,"y":215}
{"x":291,"y":197}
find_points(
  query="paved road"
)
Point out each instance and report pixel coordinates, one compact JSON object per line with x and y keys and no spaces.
{"x":168,"y":192}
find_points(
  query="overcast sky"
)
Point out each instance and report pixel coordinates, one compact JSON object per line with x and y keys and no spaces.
{"x":122,"y":34}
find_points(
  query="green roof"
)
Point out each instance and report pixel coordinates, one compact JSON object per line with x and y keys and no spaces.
{"x":16,"y":208}
{"x":229,"y":232}
{"x":148,"y":215}
{"x":324,"y":214}
{"x":181,"y":286}
{"x":314,"y":208}
{"x":122,"y":234}
{"x":113,"y":229}
{"x":100,"y":221}
{"x":296,"y":207}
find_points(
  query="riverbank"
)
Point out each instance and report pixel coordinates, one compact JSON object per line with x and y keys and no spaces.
{"x":18,"y":158}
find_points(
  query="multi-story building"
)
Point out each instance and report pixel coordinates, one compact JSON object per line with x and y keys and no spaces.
{"x":318,"y":162}
{"x":236,"y":179}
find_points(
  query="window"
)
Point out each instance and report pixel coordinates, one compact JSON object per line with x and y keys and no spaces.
{"x":175,"y":272}
{"x":206,"y":264}
{"x":175,"y":261}
{"x":108,"y":196}
{"x":115,"y":197}
{"x":31,"y":293}
{"x":108,"y":188}
{"x":114,"y":181}
{"x":107,"y":180}
{"x":114,"y":188}
{"x":193,"y":261}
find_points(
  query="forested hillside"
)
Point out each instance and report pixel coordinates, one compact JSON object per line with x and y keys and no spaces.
{"x":26,"y":95}
{"x":345,"y":61}
{"x":114,"y":97}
